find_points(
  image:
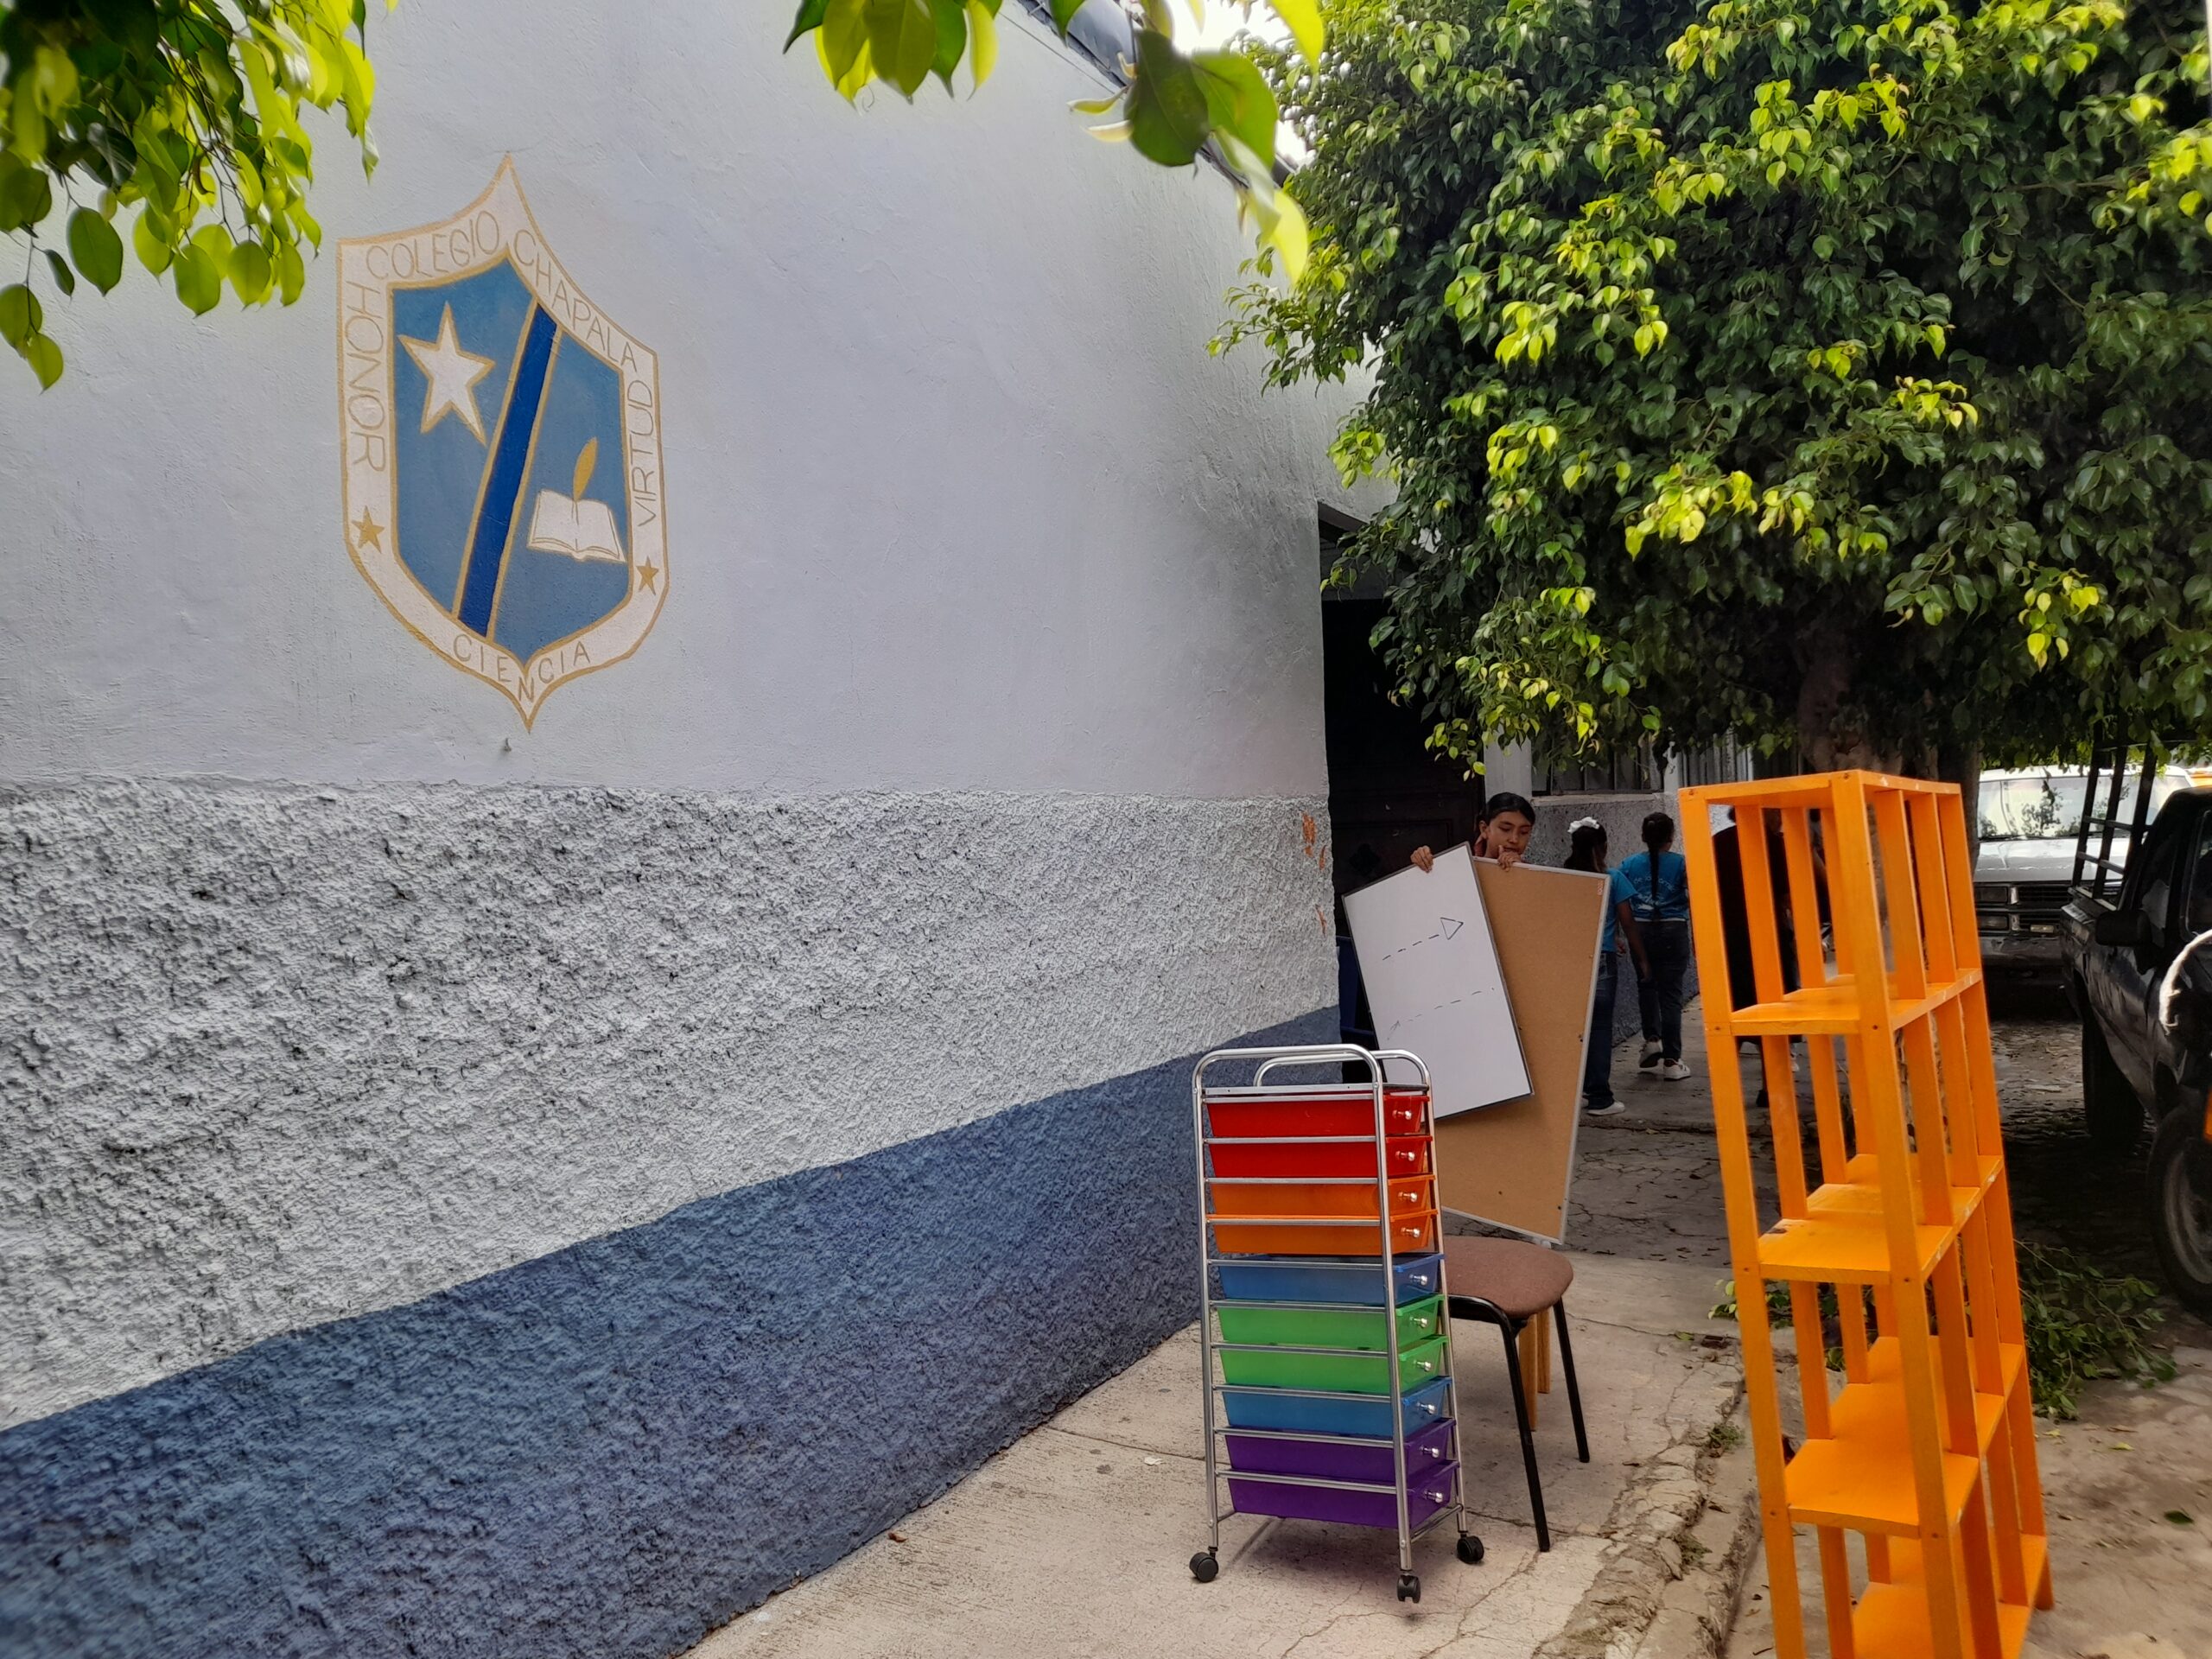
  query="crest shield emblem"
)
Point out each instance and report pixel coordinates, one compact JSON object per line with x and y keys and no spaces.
{"x":503,"y":484}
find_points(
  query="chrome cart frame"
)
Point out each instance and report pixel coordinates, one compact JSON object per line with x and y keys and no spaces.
{"x":1206,"y":1563}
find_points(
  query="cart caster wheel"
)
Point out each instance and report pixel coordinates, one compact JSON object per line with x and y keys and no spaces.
{"x":1204,"y":1566}
{"x":1409,"y":1588}
{"x":1470,"y":1549}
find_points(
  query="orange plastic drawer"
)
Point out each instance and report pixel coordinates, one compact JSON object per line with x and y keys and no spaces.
{"x":1408,"y":1233}
{"x":1317,"y":1197}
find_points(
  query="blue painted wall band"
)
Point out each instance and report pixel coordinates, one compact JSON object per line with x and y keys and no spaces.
{"x":606,"y":1452}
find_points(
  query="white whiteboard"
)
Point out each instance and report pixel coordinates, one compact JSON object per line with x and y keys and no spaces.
{"x":1430,"y":966}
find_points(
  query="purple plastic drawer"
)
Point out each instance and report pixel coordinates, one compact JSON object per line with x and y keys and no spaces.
{"x":1424,"y":1499}
{"x":1253,"y":1455}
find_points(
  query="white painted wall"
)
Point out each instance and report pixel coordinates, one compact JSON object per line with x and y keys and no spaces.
{"x":965,"y":763}
{"x":957,"y":498}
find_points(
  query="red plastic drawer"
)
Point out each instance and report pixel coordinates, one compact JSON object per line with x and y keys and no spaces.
{"x":1405,"y":1112}
{"x":1406,"y":1154}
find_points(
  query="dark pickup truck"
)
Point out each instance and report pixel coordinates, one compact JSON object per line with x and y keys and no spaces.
{"x":2138,"y":969}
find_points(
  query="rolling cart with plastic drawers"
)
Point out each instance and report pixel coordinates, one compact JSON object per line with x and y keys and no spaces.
{"x":1329,"y":1394}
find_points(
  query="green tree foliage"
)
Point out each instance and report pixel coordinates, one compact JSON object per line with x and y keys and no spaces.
{"x":174,"y":124}
{"x":1835,"y":374}
{"x":1175,"y":103}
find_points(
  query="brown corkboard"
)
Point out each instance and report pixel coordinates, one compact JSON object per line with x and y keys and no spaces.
{"x":1512,"y":1164}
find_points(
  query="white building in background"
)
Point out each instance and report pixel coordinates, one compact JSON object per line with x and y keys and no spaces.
{"x":618,"y":829}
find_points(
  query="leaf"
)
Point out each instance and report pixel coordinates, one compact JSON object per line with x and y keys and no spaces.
{"x":26,"y":197}
{"x":1303,"y":19}
{"x":844,"y":32}
{"x":1168,"y":116}
{"x":96,"y":248}
{"x":64,"y":278}
{"x":1064,"y":13}
{"x":983,"y":30}
{"x":291,"y":273}
{"x":951,"y":38}
{"x":199,"y":278}
{"x":45,"y":359}
{"x":154,"y":251}
{"x":20,"y":315}
{"x":249,"y":272}
{"x":810,"y":13}
{"x":1282,"y":226}
{"x":857,"y":74}
{"x":902,"y":42}
{"x":1239,"y":102}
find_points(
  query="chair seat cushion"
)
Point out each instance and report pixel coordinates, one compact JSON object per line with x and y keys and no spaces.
{"x":1519,"y":1280}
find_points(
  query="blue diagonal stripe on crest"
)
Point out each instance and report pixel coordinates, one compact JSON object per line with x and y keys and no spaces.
{"x":488,"y":546}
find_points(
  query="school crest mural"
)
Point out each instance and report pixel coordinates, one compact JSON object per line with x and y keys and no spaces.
{"x":502,"y":489}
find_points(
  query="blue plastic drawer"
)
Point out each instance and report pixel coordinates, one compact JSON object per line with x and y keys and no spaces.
{"x":1360,"y":1281}
{"x":1297,"y":1415}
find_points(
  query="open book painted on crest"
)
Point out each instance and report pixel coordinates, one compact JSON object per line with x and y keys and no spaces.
{"x":584,"y":529}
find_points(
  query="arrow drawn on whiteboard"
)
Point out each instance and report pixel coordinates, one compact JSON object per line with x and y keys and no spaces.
{"x":1450,"y":928}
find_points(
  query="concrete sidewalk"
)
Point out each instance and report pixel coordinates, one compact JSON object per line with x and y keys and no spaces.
{"x":1075,"y":1540}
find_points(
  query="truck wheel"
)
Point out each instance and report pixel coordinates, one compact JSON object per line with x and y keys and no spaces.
{"x":2110,"y":1111}
{"x":2180,"y":1186}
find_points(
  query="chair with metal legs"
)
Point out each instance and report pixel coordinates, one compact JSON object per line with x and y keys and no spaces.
{"x":1509,"y":1284}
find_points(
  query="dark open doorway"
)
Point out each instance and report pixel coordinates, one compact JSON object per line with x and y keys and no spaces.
{"x":1388,"y":792}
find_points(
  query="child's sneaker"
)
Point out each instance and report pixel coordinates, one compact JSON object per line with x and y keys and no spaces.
{"x":1651,"y":1055}
{"x":1611,"y":1109}
{"x":1674,"y":1071}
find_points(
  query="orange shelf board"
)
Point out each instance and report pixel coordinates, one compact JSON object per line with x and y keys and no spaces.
{"x":1861,"y":1475}
{"x":1809,"y":789}
{"x":1854,"y":1196}
{"x":1842,"y":1248}
{"x":1834,"y":1009}
{"x":1891,"y":1620}
{"x":1862,"y":1175}
{"x":1885,"y":1366}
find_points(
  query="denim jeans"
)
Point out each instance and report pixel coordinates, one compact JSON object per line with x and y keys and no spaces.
{"x":1598,"y":1043}
{"x":1667,"y":945}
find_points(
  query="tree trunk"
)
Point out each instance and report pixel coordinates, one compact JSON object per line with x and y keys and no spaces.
{"x":1959,"y":763}
{"x":1828,"y":741}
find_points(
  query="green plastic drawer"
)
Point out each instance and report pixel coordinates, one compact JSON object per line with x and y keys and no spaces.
{"x":1309,"y":1327}
{"x":1339,"y":1373}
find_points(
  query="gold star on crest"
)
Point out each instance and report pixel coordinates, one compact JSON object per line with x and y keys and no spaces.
{"x":647,"y":575}
{"x":369,"y":532}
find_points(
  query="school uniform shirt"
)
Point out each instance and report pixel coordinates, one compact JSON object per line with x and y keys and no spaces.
{"x":1673,"y":904}
{"x":1616,"y":891}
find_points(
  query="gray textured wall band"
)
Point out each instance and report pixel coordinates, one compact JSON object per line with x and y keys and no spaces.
{"x":276,"y":1055}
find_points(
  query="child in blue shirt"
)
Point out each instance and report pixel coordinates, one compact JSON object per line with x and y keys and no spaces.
{"x":1659,"y":880}
{"x":1587,"y":851}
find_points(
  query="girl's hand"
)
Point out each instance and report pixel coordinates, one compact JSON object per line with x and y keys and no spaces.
{"x":1507,"y":858}
{"x":1424,"y":861}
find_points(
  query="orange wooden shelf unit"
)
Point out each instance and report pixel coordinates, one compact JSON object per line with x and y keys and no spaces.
{"x":1890,"y":1234}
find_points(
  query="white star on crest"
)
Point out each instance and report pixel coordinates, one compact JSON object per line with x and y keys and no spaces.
{"x":453,"y":374}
